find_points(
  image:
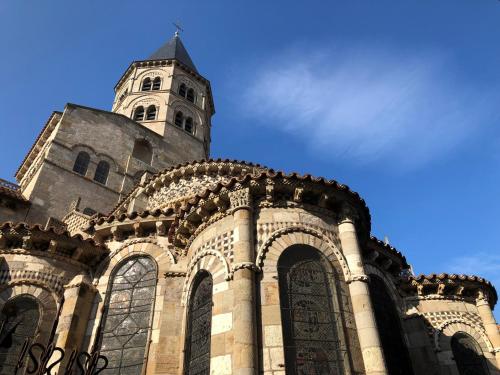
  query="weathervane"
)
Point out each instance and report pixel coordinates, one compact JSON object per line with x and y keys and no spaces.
{"x":178,"y":28}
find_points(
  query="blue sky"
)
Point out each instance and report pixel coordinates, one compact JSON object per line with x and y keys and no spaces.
{"x":397,"y":99}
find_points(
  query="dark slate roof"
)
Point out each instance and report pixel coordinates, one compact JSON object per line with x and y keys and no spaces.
{"x":174,"y":49}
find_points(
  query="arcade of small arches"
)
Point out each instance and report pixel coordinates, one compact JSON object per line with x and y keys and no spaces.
{"x":313,"y":310}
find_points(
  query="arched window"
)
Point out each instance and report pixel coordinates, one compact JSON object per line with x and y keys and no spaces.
{"x":188,"y":125}
{"x":179,"y":118}
{"x":182,"y":90}
{"x":190,"y":95}
{"x":157,"y":83}
{"x":197,"y":349}
{"x":139,"y":113}
{"x":143,"y":151}
{"x":81,"y":163}
{"x":127,"y":321}
{"x":311,"y":321}
{"x":146,"y":84}
{"x":151,"y":113}
{"x":18,"y":321}
{"x":396,"y":354}
{"x":101,"y":172}
{"x":468,"y":355}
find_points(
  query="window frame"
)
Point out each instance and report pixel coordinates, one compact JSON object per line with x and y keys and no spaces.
{"x":146,"y":84}
{"x":136,"y":116}
{"x":101,"y":176}
{"x":80,"y":166}
{"x":109,"y":289}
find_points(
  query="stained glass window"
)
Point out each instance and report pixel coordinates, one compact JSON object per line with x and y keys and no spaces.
{"x":310,"y":316}
{"x":18,"y":321}
{"x":128,"y":316}
{"x":468,"y":355}
{"x":396,"y":354}
{"x":197,"y":351}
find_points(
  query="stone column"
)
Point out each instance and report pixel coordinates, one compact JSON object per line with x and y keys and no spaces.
{"x":490,"y":325}
{"x":244,"y":320}
{"x":369,"y":340}
{"x":78,"y":297}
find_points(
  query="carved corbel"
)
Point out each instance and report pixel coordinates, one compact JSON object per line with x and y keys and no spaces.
{"x":3,"y":241}
{"x":138,"y":230}
{"x":373,"y":255}
{"x":270,"y":191}
{"x":116,"y":233}
{"x":27,"y":243}
{"x":297,"y":194}
{"x":161,"y":228}
{"x":324,"y":199}
{"x":221,"y":204}
{"x":386,"y":264}
{"x":53,"y":246}
{"x":441,"y":289}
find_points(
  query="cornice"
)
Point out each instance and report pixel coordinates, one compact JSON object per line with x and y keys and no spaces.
{"x":216,"y":200}
{"x":449,"y":286}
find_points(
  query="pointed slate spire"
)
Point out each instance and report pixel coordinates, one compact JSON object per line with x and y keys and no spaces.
{"x":174,"y":49}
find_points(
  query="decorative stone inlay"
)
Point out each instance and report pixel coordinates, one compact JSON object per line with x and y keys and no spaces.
{"x":262,"y":250}
{"x":49,"y":280}
{"x":264,"y":230}
{"x":181,"y":189}
{"x":223,"y":242}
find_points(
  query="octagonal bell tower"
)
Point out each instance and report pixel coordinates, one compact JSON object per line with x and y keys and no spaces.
{"x":166,"y":94}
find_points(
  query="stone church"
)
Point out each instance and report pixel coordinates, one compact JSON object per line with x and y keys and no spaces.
{"x":124,"y":244}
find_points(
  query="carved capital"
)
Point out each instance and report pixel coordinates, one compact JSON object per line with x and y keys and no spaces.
{"x":245,"y":266}
{"x":241,"y":198}
{"x":347,"y":214}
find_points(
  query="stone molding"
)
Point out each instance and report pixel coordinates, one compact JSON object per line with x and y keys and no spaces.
{"x":241,"y":198}
{"x":175,"y":274}
{"x":362,"y":277}
{"x":262,"y":251}
{"x":215,"y":253}
{"x":244,"y":266}
{"x":105,"y":263}
{"x":45,"y":280}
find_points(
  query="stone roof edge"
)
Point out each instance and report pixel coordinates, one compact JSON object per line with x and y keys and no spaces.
{"x":45,"y":127}
{"x":391,"y":249}
{"x":51,"y":230}
{"x":128,"y":216}
{"x":443,"y":277}
{"x":270,"y":174}
{"x":172,"y":169}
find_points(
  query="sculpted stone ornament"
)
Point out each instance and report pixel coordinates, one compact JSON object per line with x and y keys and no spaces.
{"x":347,"y":213}
{"x":240,"y":199}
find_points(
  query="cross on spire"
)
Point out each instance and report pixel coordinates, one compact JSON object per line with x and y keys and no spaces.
{"x":178,"y":28}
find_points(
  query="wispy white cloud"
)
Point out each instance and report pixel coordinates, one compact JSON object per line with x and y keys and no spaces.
{"x":482,"y":264}
{"x":366,"y":104}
